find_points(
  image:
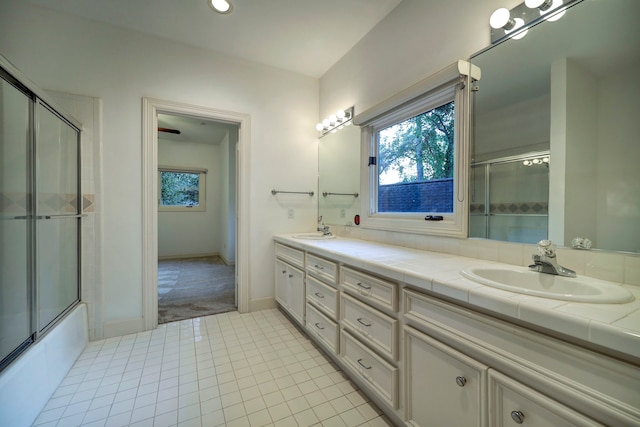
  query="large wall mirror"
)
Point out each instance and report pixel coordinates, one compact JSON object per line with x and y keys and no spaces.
{"x":556,"y":131}
{"x":339,"y":176}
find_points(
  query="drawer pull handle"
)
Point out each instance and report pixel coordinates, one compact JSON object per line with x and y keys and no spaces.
{"x":319,"y":295}
{"x":284,"y":271}
{"x":318,"y":326}
{"x":359,"y":319}
{"x":319,"y":267}
{"x":359,"y":284}
{"x":291,"y":275}
{"x":362,"y":364}
{"x":517,"y":417}
{"x":461,"y":381}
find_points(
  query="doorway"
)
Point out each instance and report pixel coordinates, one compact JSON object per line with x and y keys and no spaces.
{"x":196,"y":216}
{"x":151,"y":109}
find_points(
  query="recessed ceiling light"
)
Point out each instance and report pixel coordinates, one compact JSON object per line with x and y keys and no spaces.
{"x":220,"y":6}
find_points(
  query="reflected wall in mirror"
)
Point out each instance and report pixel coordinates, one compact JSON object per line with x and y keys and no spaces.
{"x":555,"y":130}
{"x":339,"y":175}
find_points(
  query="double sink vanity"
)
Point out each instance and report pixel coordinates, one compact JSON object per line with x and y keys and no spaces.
{"x":443,"y":340}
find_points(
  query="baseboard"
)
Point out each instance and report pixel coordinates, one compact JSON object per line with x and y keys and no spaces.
{"x":226,"y":261}
{"x":123,"y":327}
{"x":184,"y":256}
{"x":262,"y":304}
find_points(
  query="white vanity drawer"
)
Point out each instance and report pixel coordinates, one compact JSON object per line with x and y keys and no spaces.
{"x":291,"y":255}
{"x":323,"y":296}
{"x":374,"y":327}
{"x":371,"y":289}
{"x":323,"y":328}
{"x":322,"y":268}
{"x":375,"y":371}
{"x":511,"y":403}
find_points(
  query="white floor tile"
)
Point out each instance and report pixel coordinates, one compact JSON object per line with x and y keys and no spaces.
{"x":225,"y":370}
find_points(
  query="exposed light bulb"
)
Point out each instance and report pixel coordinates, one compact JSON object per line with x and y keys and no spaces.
{"x":319,"y":127}
{"x":556,"y":4}
{"x":220,"y":6}
{"x":501,"y":18}
{"x":333,"y":118}
{"x":340,"y":114}
{"x":326,"y":123}
{"x":545,"y":160}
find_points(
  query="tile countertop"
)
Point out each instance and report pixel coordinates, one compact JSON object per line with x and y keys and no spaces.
{"x":611,"y":326}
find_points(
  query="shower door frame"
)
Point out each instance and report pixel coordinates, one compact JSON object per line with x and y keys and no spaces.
{"x":37,"y":97}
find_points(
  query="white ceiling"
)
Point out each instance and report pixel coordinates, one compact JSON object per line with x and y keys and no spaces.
{"x":304,"y":36}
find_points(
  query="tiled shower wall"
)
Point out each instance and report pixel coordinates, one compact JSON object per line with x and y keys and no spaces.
{"x":88,"y":111}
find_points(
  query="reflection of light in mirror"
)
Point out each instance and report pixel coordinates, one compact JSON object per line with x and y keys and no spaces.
{"x":519,"y":23}
{"x":536,"y":161}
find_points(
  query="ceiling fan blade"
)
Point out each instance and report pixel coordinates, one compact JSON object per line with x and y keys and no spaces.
{"x":168,"y":130}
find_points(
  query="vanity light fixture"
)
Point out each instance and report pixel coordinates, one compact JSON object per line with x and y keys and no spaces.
{"x":335,"y":121}
{"x":516,"y":22}
{"x":221,"y":6}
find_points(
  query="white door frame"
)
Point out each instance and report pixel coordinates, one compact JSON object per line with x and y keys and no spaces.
{"x":150,"y":109}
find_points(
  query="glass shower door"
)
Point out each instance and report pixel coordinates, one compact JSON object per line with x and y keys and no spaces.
{"x":58,"y":215}
{"x":16,"y":221}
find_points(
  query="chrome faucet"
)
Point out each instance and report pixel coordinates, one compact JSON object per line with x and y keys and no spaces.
{"x":545,"y":261}
{"x":325,"y":228}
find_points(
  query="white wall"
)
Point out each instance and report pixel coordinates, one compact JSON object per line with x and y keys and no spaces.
{"x":618,"y":171}
{"x":417,"y":39}
{"x":70,"y":54}
{"x":192,"y":233}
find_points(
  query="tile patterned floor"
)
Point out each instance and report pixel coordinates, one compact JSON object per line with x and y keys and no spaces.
{"x":229,"y":369}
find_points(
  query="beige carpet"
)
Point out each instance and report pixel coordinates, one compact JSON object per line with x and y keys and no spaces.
{"x":194,"y":287}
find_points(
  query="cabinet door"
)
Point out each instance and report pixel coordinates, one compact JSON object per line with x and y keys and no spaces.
{"x":282,"y":283}
{"x":443,"y":386}
{"x":512,"y":403}
{"x":297,"y":294}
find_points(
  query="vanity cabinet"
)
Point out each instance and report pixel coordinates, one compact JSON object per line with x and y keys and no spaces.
{"x":512,"y":403}
{"x":369,"y":337}
{"x":443,"y":386}
{"x":290,"y":281}
{"x":323,"y":296}
{"x":375,"y":328}
{"x":429,"y":361}
{"x":325,"y":329}
{"x":379,"y":375}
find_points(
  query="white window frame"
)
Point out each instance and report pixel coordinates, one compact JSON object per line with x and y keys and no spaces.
{"x":434,"y":91}
{"x":202,"y":188}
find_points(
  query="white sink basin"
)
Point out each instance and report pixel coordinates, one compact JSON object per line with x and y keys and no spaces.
{"x":313,"y":236}
{"x":524,"y":281}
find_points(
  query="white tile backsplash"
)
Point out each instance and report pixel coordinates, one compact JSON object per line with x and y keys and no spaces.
{"x":611,"y":266}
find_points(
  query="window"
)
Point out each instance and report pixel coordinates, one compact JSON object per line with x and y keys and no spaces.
{"x":415,"y":143}
{"x":415,"y":163}
{"x":181,"y":189}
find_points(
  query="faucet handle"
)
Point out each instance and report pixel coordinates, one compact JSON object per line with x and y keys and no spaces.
{"x":547,"y":248}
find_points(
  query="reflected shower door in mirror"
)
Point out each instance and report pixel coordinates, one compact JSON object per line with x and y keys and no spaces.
{"x":339,"y":176}
{"x":510,"y":198}
{"x":569,"y":88}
